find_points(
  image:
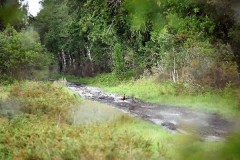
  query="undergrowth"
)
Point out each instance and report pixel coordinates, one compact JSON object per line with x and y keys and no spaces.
{"x":39,"y":98}
{"x":32,"y":137}
{"x":35,"y":134}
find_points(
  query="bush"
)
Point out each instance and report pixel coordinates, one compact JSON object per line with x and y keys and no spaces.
{"x":42,"y":98}
{"x":21,"y":53}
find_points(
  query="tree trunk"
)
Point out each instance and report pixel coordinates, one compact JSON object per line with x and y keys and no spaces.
{"x":174,"y":73}
{"x":90,"y":58}
{"x":70,"y":60}
{"x":60,"y":62}
{"x":64,"y":64}
{"x":74,"y":63}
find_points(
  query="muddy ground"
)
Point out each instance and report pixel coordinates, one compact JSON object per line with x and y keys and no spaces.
{"x":209,"y":126}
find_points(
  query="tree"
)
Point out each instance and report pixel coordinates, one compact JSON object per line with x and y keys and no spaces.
{"x":20,"y":53}
{"x":174,"y":36}
{"x":12,"y":12}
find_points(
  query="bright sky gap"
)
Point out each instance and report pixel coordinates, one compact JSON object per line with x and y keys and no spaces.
{"x":34,"y":6}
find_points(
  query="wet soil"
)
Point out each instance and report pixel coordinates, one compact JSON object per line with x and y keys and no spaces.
{"x":208,"y":126}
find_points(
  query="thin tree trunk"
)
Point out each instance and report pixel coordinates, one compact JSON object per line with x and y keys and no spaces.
{"x":74,"y":63}
{"x":110,"y":27}
{"x":69,"y":66}
{"x":173,"y":77}
{"x":70,"y":59}
{"x":60,"y":62}
{"x":90,"y":58}
{"x":174,"y":67}
{"x":63,"y":61}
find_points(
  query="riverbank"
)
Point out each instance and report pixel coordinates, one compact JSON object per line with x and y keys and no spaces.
{"x":225,"y":102}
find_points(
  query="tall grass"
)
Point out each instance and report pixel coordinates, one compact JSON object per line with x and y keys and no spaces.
{"x":42,"y":98}
{"x":4,"y":91}
{"x":99,"y":132}
{"x":189,"y":148}
{"x":107,"y":79}
{"x":31,"y":137}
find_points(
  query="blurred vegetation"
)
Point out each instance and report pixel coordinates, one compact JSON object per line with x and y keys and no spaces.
{"x":21,"y":54}
{"x":190,"y":148}
{"x":39,"y":98}
{"x":14,"y":13}
{"x":35,"y":133}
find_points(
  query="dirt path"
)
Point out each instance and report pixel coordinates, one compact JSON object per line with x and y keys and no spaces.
{"x":176,"y":119}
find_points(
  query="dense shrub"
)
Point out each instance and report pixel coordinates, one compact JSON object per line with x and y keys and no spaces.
{"x":20,"y":54}
{"x":41,"y":98}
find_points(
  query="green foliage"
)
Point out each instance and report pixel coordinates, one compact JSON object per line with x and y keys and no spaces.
{"x":176,"y":37}
{"x":230,"y":150}
{"x":12,"y":12}
{"x":39,"y":136}
{"x":21,"y":53}
{"x":4,"y":91}
{"x":31,"y":137}
{"x":191,"y":148}
{"x":56,"y":24}
{"x":107,"y":79}
{"x":118,"y":58}
{"x":104,"y":79}
{"x":142,"y":12}
{"x":85,"y":35}
{"x":41,"y":98}
{"x":182,"y":44}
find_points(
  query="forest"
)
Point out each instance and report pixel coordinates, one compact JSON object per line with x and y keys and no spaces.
{"x":120,"y":79}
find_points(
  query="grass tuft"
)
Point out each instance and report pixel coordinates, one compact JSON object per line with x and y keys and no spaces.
{"x":42,"y":98}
